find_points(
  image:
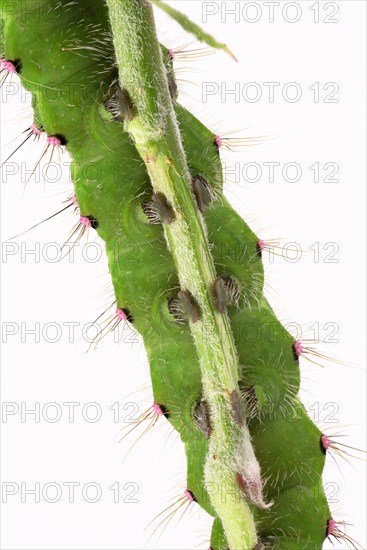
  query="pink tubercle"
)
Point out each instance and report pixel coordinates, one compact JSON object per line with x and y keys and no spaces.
{"x":54,"y":141}
{"x":85,"y":221}
{"x":171,"y":53}
{"x":36,"y":131}
{"x":121,"y":314}
{"x":326,"y":443}
{"x":218,"y":141}
{"x":74,"y":201}
{"x":261,"y":244}
{"x":298,"y":347}
{"x":156,"y":408}
{"x":188,"y":494}
{"x":331,"y":526}
{"x":8,"y":66}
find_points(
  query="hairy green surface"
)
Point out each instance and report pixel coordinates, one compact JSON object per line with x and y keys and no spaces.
{"x":70,"y":90}
{"x":191,"y":27}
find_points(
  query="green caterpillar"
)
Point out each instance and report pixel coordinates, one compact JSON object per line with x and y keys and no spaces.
{"x":78,"y":103}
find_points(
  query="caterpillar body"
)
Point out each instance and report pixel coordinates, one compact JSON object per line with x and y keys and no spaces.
{"x":76,"y":99}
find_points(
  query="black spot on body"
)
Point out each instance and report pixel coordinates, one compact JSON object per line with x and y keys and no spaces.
{"x":158,"y":210}
{"x":327,"y":528}
{"x":17,"y":65}
{"x":189,"y":305}
{"x":237,"y":407}
{"x":202,"y":417}
{"x":192,"y":495}
{"x":164,"y":410}
{"x":323,"y":450}
{"x":220,"y":295}
{"x":119,"y":104}
{"x":184,"y":308}
{"x":250,"y":402}
{"x":129,"y":317}
{"x":226,"y":293}
{"x":172,"y":86}
{"x":93,"y":221}
{"x":295,"y":354}
{"x":61,"y":138}
{"x":175,"y":309}
{"x":202,"y":192}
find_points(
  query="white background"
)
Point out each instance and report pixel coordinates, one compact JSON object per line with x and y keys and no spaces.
{"x":37,"y":290}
